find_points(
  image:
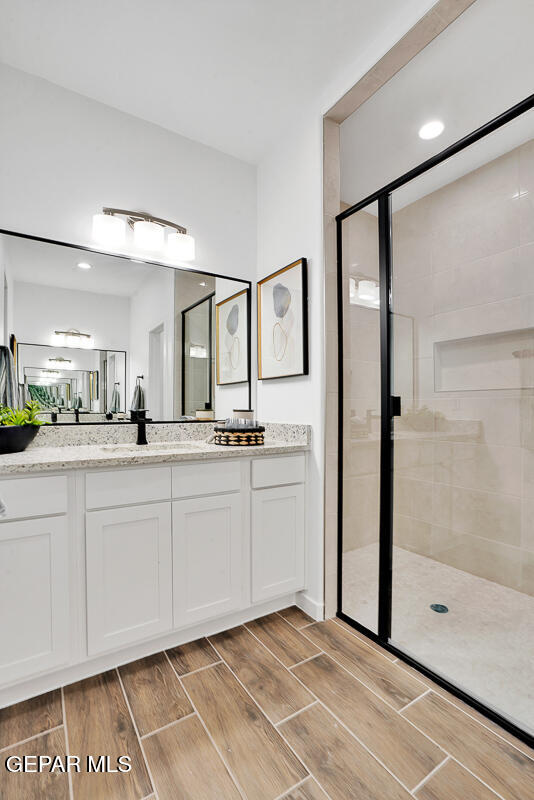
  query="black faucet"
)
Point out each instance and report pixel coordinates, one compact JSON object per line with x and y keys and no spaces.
{"x":77,"y":414}
{"x":141,"y":430}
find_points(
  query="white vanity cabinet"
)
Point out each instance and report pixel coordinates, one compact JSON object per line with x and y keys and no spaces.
{"x":106,"y":565}
{"x":34,"y":577}
{"x":129,"y":575}
{"x":278,"y":527}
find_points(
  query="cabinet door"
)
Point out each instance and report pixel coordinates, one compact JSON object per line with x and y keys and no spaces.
{"x":129,"y":569}
{"x":34,"y":597}
{"x":207,"y":557}
{"x":277,"y":541}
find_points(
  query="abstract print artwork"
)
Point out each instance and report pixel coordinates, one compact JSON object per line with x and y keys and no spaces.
{"x":232,"y":339}
{"x":283,"y":322}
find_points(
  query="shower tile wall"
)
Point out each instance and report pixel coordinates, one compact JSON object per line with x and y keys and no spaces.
{"x":464,"y":458}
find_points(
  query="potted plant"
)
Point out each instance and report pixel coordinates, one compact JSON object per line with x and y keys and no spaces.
{"x":18,"y":427}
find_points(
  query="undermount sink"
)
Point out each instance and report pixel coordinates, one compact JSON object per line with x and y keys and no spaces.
{"x":131,"y":447}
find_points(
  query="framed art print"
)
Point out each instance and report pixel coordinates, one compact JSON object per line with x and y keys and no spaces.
{"x":232,"y":339}
{"x":283,"y":322}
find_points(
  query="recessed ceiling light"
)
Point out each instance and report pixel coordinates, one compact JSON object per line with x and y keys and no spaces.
{"x":84,"y":265}
{"x":431,"y":129}
{"x":202,"y":283}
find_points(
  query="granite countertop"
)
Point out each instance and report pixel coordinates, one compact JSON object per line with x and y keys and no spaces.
{"x":50,"y":459}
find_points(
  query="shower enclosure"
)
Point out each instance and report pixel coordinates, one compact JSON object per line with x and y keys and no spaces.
{"x":436,"y":431}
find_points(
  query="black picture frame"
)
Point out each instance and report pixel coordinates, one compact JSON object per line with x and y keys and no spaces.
{"x":301,"y":263}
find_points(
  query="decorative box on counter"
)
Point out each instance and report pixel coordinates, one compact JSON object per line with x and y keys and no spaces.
{"x":239,"y":436}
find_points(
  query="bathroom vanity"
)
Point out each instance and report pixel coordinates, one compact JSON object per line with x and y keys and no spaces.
{"x":112,"y":552}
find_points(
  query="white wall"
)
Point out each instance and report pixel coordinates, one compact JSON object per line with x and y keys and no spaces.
{"x":40,"y":310}
{"x":290,"y":226}
{"x":6,"y":325}
{"x":64,"y":156}
{"x":151,"y":306}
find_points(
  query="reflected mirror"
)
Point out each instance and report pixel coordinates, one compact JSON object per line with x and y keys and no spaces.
{"x":97,"y":337}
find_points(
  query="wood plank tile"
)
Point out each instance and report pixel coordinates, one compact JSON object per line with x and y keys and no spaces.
{"x":99,"y":723}
{"x":154,"y":693}
{"x":255,"y":752}
{"x":341,"y":765}
{"x":513,"y":740}
{"x":36,"y":785}
{"x":37,"y":715}
{"x":184,"y":764}
{"x":296,"y":616}
{"x":274,"y":688}
{"x":309,"y":790}
{"x":282,"y":639}
{"x":403,"y":750}
{"x":364,"y":639}
{"x":497,"y":763}
{"x":380,"y":675}
{"x":193,"y":655}
{"x":453,"y":782}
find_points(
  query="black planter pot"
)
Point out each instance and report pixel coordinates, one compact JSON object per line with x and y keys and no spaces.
{"x":14,"y":438}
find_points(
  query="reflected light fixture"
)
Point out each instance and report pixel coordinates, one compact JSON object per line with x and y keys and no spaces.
{"x":72,"y":338}
{"x":59,"y":360}
{"x":432,"y":129}
{"x":148,"y":233}
{"x":84,"y":265}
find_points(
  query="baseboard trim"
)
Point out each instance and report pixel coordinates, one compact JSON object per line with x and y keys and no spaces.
{"x":310,"y":606}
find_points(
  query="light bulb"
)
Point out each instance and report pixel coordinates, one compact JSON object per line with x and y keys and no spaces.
{"x":181,"y":246}
{"x":148,"y":235}
{"x":109,"y":230}
{"x":83,"y":265}
{"x":431,"y":129}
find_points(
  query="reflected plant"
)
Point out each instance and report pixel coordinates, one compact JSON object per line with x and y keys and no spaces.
{"x":22,"y":416}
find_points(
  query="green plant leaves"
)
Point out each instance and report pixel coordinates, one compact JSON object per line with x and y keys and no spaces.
{"x":21,"y":416}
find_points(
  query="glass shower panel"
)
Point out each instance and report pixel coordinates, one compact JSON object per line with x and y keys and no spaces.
{"x":463,"y":549}
{"x":198,"y":328}
{"x":361,"y":423}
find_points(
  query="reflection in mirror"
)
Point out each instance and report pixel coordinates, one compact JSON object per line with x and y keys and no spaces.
{"x":86,"y":328}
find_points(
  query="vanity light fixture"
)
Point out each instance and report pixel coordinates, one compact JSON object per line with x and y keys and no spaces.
{"x":59,"y":360}
{"x":49,"y":372}
{"x":432,"y":129}
{"x":72,"y":338}
{"x":149,"y":232}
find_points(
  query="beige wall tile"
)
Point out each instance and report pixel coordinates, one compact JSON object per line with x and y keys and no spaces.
{"x":412,"y":534}
{"x":491,"y":560}
{"x":527,"y":572}
{"x":492,"y":468}
{"x":527,"y":525}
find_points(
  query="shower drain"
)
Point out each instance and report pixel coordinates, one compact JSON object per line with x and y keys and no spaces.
{"x":439,"y":608}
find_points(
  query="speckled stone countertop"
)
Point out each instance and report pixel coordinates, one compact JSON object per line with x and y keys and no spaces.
{"x":53,"y":458}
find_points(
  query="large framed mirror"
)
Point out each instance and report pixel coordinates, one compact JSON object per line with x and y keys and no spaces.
{"x":97,"y":337}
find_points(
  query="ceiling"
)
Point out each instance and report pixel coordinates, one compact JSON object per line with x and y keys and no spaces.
{"x":477,"y":68}
{"x":54,"y":265}
{"x":231,"y":74}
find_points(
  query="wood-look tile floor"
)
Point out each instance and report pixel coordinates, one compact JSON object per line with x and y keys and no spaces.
{"x":281,"y":707}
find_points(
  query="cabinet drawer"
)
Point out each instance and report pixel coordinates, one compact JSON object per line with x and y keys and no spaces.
{"x":126,"y":486}
{"x":278,"y":471}
{"x":190,"y":480}
{"x":34,"y":497}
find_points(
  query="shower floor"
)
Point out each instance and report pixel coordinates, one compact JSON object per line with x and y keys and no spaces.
{"x":484,"y":644}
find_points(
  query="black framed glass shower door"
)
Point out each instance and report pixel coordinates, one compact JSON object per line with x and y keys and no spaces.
{"x":436,"y":433}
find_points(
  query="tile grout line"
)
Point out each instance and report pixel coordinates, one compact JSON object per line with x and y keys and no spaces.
{"x":205,"y":727}
{"x":294,"y":714}
{"x":305,"y":660}
{"x":292,"y":788}
{"x":290,"y":623}
{"x":364,"y":639}
{"x":64,"y":714}
{"x":168,"y":725}
{"x":445,"y":696}
{"x":320,"y":702}
{"x":299,"y":759}
{"x":319,"y":651}
{"x":415,"y":700}
{"x":383,"y":700}
{"x":452,"y":758}
{"x":149,"y":773}
{"x":30,"y":738}
{"x":198,"y":669}
{"x":430,"y":774}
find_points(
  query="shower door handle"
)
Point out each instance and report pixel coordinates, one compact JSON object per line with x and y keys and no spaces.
{"x":395,"y":405}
